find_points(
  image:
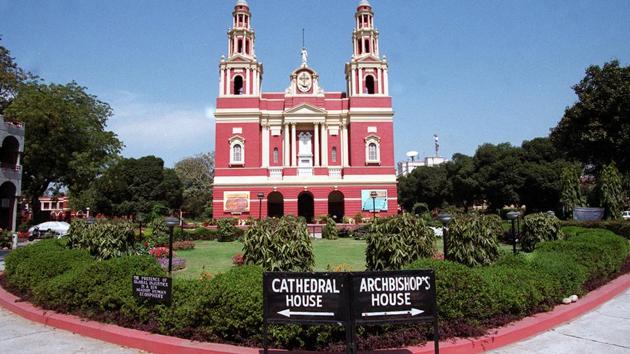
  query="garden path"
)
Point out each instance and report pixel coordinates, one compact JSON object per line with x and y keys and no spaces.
{"x":603,"y":330}
{"x":18,"y":335}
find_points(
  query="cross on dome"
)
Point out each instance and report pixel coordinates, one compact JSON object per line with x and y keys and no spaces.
{"x":364,"y":3}
{"x":304,"y":54}
{"x":241,"y":3}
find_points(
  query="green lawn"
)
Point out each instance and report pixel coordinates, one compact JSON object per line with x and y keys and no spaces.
{"x":216,"y":257}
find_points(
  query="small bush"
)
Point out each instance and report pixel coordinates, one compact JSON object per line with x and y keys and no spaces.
{"x":619,"y":227}
{"x":238,"y":259}
{"x":329,"y":231}
{"x":103,"y":240}
{"x":201,"y":233}
{"x":28,"y":266}
{"x":472,"y":240}
{"x":398,"y":240}
{"x":227,"y":229}
{"x":282,"y":244}
{"x":183,"y":245}
{"x":159,"y":232}
{"x":537,"y":228}
{"x":361,"y":232}
{"x":6,"y":239}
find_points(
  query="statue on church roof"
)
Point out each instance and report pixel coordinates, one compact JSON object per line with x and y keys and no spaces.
{"x":304,"y":54}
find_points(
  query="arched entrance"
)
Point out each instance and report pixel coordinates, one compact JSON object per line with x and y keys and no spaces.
{"x":306,"y":206}
{"x":335,"y":205}
{"x":7,"y":201}
{"x":9,"y":151}
{"x":275,"y":205}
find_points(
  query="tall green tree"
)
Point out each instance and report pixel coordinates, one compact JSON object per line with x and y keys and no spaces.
{"x":197,"y":175}
{"x":11,"y":78}
{"x":570,"y":196}
{"x":497,"y":171}
{"x":610,"y":192}
{"x":66,"y":140}
{"x":463,"y":186}
{"x":133,"y":186}
{"x":596,"y":129}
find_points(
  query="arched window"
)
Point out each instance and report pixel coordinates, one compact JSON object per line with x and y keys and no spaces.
{"x":369,"y":84}
{"x":372,"y":149}
{"x":367,"y":45}
{"x":237,"y":150}
{"x":240,"y":45}
{"x":238,"y":85}
{"x":275,"y":155}
{"x":333,"y":154}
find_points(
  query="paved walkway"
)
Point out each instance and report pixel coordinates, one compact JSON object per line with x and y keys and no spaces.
{"x":603,"y":330}
{"x":18,"y":335}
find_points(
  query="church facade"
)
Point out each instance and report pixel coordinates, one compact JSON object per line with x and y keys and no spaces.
{"x":305,"y":151}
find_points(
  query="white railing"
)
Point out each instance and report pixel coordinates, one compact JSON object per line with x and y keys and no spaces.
{"x":305,"y":171}
{"x":334,"y":172}
{"x":275,"y":172}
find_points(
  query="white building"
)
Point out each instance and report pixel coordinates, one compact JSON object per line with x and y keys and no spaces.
{"x":405,"y":167}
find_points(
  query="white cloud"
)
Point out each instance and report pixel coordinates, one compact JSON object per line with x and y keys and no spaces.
{"x":162,"y":129}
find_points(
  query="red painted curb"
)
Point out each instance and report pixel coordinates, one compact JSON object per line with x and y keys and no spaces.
{"x":156,"y":343}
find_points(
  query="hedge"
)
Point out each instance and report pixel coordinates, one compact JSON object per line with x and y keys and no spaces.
{"x":228,"y":307}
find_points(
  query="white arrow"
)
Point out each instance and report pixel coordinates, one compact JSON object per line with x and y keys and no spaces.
{"x":288,"y":313}
{"x":411,"y":312}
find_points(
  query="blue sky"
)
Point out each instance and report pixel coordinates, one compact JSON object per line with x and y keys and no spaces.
{"x":470,"y":71}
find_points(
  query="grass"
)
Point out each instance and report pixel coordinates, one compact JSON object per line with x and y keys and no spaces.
{"x":216,"y":257}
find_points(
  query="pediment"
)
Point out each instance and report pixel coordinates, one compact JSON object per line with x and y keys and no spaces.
{"x":305,"y":109}
{"x":369,"y":58}
{"x":240,"y":58}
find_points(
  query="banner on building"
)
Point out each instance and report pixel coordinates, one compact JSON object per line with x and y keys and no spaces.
{"x":236,"y":202}
{"x":379,"y":203}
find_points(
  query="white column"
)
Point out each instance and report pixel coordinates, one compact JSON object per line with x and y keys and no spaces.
{"x":293,"y":150}
{"x":324,"y":145}
{"x":379,"y":81}
{"x":360,"y":83}
{"x":221,"y":82}
{"x":385,"y":82}
{"x":316,"y":129}
{"x":344,"y":144}
{"x":14,"y":216}
{"x":265,"y":146}
{"x":352,"y":82}
{"x":286,"y":147}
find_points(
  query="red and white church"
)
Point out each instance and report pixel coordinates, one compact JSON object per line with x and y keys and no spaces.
{"x":305,"y":151}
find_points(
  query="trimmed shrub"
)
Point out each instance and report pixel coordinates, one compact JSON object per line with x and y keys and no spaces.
{"x":102,"y":240}
{"x":159,"y":232}
{"x":329,"y":231}
{"x":183,"y":245}
{"x":619,"y":227}
{"x":282,"y":244}
{"x":398,"y":240}
{"x":537,"y":228}
{"x":28,"y":266}
{"x":5,"y":239}
{"x":472,"y":240}
{"x":227,"y":229}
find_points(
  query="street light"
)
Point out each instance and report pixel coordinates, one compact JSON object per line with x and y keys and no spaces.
{"x":373,"y":194}
{"x":445,"y":219}
{"x":261,"y":195}
{"x":88,"y":212}
{"x":171,"y":222}
{"x":513,"y":215}
{"x":140,"y":218}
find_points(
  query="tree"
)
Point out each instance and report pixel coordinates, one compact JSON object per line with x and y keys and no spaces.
{"x":463,"y":187}
{"x":424,"y":184}
{"x":570,"y":196}
{"x":610,"y":192}
{"x":133,"y":186}
{"x":66,"y":141}
{"x":197,"y":175}
{"x":497,"y":171}
{"x":596,"y":129}
{"x":11,"y":78}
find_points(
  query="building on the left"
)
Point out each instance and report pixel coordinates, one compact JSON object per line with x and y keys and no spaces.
{"x":12,"y":137}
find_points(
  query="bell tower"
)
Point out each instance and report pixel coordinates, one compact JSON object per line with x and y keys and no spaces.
{"x":240,"y":73}
{"x":366,"y":73}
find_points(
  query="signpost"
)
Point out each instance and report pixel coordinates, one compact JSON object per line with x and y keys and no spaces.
{"x":156,"y":289}
{"x":350,"y":299}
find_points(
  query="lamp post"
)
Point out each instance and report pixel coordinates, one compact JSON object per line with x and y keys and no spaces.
{"x":140,"y":218}
{"x":171,"y":222}
{"x":373,"y":195}
{"x":445,"y":219}
{"x":513,"y":215}
{"x":88,"y":212}
{"x":261,"y":195}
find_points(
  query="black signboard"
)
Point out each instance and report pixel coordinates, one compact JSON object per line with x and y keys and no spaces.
{"x":350,"y":299}
{"x":156,"y":289}
{"x":305,"y":297}
{"x":394,"y":296}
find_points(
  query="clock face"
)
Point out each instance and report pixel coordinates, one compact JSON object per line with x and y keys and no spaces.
{"x":304,"y":81}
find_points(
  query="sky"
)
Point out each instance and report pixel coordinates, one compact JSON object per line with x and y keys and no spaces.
{"x":472,"y":72}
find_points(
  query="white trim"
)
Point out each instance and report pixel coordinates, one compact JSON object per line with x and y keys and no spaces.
{"x":233,"y":141}
{"x":301,"y":180}
{"x":372,"y":139}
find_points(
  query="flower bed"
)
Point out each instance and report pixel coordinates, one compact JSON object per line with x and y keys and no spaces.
{"x":228,"y":307}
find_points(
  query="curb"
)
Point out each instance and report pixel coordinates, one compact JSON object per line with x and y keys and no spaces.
{"x":157,"y":343}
